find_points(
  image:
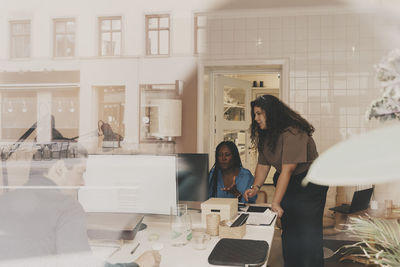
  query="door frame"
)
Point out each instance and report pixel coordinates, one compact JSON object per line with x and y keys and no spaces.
{"x":205,"y":93}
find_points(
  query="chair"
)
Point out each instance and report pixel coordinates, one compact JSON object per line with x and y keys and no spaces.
{"x":262,"y":197}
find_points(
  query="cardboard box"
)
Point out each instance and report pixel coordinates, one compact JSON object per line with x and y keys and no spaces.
{"x":227,"y":208}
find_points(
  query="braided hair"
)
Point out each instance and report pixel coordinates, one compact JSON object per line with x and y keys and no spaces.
{"x":236,"y":162}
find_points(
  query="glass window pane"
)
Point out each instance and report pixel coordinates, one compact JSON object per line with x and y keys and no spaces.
{"x":164,"y":42}
{"x":201,"y":21}
{"x":70,"y":46}
{"x":105,"y":25}
{"x":65,"y":109}
{"x":27,"y":46}
{"x":116,"y":24}
{"x":71,"y":26}
{"x":153,"y":42}
{"x":201,"y":40}
{"x":20,"y":47}
{"x":106,"y":44}
{"x":27,"y":28}
{"x":18,"y":114}
{"x":60,"y":46}
{"x":112,"y":107}
{"x":116,"y":45}
{"x":234,"y":104}
{"x":17,"y":28}
{"x":153,"y":23}
{"x":164,"y":22}
{"x":60,"y":27}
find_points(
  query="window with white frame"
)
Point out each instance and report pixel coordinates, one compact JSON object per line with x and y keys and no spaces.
{"x":200,"y":24}
{"x":157,"y":34}
{"x":18,"y":113}
{"x":20,"y":39}
{"x":110,"y":36}
{"x":64,"y":37}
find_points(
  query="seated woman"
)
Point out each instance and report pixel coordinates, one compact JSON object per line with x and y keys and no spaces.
{"x":227,"y":178}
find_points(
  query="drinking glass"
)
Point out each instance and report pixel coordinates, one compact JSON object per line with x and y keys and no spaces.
{"x":181,"y":231}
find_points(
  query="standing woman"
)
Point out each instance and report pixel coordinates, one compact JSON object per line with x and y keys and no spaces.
{"x":284,"y":141}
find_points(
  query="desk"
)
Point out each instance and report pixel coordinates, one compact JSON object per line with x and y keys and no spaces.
{"x":342,"y":218}
{"x":179,"y":256}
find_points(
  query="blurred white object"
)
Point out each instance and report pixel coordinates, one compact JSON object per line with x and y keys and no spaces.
{"x":374,"y":205}
{"x":166,"y":117}
{"x":370,"y":158}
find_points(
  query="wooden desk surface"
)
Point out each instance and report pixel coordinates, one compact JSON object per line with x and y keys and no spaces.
{"x":388,"y":214}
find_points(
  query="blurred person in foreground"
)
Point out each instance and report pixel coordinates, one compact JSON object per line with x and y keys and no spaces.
{"x":40,"y":225}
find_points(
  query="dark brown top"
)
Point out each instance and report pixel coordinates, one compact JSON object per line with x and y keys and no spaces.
{"x":293,"y":146}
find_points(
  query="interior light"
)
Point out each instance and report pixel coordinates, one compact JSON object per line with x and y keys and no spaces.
{"x":24,"y":108}
{"x":72,"y":108}
{"x":59,"y":109}
{"x":10,"y":107}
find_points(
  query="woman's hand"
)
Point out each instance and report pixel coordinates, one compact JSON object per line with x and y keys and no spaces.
{"x":233,"y":190}
{"x":249,"y":193}
{"x":276,"y":207}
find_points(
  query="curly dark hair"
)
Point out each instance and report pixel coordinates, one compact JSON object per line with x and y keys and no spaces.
{"x":236,"y":162}
{"x":279,"y":117}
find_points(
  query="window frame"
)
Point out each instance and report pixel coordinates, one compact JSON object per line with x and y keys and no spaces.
{"x":158,"y":29}
{"x":196,"y":29}
{"x":64,"y":34}
{"x":111,"y":31}
{"x":12,"y":35}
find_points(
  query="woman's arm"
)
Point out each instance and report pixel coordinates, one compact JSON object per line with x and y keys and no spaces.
{"x":259,"y":178}
{"x":281,"y":186}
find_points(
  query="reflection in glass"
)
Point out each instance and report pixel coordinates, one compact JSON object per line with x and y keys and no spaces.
{"x":64,"y":38}
{"x":153,"y":39}
{"x":20,"y":39}
{"x":164,"y":22}
{"x":164,"y":42}
{"x":106,"y":25}
{"x":153,"y":23}
{"x":116,"y":24}
{"x":18,"y":114}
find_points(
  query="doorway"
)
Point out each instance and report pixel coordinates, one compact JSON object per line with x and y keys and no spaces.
{"x":233,"y":92}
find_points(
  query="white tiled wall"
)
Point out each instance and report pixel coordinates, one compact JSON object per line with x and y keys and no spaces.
{"x":332,"y":78}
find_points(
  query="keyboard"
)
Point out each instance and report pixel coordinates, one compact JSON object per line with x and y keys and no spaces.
{"x":240,"y":220}
{"x":265,"y":218}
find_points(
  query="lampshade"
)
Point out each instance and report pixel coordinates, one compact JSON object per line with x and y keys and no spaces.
{"x":165,"y":117}
{"x":370,"y":158}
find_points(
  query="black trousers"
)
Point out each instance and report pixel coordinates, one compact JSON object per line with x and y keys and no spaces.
{"x":302,"y":235}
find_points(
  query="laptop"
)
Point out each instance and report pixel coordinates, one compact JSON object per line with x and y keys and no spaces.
{"x":113,"y":226}
{"x":359,"y":202}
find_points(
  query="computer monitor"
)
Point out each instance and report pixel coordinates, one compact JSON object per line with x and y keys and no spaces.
{"x":192,"y":177}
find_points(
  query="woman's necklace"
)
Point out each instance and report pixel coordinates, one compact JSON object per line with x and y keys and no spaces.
{"x":228,"y":176}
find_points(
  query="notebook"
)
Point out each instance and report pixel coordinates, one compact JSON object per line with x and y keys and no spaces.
{"x":359,"y":202}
